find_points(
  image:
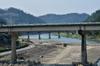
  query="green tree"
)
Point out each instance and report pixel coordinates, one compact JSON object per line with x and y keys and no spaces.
{"x":95,"y":17}
{"x":3,"y":21}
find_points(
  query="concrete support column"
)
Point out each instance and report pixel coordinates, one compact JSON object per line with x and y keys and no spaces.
{"x":59,"y":35}
{"x":39,"y":35}
{"x":83,"y":48}
{"x":13,"y":47}
{"x":28,"y":38}
{"x":49,"y":35}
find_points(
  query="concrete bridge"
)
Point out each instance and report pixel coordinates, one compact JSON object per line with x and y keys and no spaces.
{"x":80,"y":27}
{"x":50,"y":27}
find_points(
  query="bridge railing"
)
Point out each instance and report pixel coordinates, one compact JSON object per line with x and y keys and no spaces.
{"x":63,"y":23}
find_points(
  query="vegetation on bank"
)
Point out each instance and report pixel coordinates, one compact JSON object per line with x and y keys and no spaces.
{"x":70,"y":35}
{"x":5,"y":39}
{"x":3,"y":49}
{"x":95,"y":37}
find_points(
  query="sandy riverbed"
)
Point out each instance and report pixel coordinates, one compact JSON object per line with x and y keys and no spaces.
{"x":54,"y":54}
{"x":51,"y":53}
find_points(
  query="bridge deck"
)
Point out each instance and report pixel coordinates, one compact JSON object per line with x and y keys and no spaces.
{"x":50,"y":27}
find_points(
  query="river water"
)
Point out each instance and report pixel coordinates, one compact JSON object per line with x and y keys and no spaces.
{"x":55,"y":38}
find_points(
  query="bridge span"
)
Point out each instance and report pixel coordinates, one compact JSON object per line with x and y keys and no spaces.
{"x":50,"y":27}
{"x":80,"y":27}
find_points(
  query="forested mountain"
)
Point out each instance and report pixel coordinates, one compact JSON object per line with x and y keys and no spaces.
{"x":2,"y":21}
{"x":17,"y":16}
{"x":72,"y":18}
{"x":95,"y":17}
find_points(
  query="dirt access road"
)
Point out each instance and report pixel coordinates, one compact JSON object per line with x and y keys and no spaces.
{"x":66,"y":55}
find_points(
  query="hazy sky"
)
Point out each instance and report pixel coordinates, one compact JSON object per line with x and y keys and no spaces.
{"x":40,"y":7}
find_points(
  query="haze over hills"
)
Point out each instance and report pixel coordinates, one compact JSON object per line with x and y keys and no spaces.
{"x":17,"y":16}
{"x":66,"y":18}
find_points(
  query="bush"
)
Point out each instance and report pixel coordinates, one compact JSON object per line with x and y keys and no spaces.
{"x":8,"y":49}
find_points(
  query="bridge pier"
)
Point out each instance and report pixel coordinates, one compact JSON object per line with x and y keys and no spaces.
{"x":39,"y":37}
{"x":83,"y":48}
{"x":28,"y":37}
{"x":59,"y":35}
{"x":13,"y":47}
{"x":49,"y":35}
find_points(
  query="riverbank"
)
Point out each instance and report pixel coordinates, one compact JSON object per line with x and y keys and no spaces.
{"x":6,"y":56}
{"x":72,"y":54}
{"x":2,"y":49}
{"x":52,"y":52}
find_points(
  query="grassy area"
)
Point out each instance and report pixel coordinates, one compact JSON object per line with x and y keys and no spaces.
{"x":94,"y":37}
{"x":89,"y":37}
{"x":70,"y":35}
{"x":3,"y":49}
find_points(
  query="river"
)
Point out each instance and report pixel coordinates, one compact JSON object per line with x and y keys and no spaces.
{"x":55,"y":38}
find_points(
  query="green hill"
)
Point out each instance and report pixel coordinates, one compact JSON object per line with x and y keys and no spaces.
{"x":95,"y":17}
{"x":65,"y":18}
{"x":17,"y":16}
